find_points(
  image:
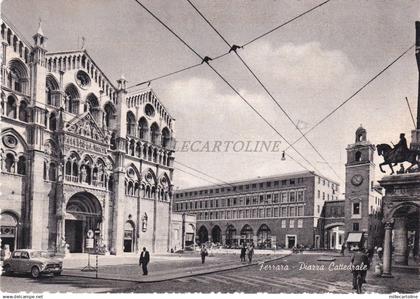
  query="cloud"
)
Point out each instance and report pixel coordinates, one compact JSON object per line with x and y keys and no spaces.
{"x":307,"y":65}
{"x":206,"y":110}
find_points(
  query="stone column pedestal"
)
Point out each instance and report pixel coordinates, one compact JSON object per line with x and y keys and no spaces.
{"x":400,"y":241}
{"x":387,"y":257}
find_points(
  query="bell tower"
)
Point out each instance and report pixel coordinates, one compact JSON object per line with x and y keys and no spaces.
{"x":360,"y":173}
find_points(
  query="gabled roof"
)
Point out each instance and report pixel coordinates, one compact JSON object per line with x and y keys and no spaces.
{"x":85,"y":125}
{"x":83,"y":52}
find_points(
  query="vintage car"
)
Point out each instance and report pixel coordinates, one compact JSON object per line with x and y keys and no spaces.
{"x":35,"y":262}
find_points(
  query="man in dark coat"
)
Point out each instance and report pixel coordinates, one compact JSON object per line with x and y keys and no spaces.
{"x":360,"y":263}
{"x":203,"y":253}
{"x":144,"y":260}
{"x":243,"y":252}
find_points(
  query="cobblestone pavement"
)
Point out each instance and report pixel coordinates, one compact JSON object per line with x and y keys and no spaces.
{"x":293,"y":274}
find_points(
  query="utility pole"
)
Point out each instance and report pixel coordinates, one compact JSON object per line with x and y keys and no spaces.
{"x":418,"y":68}
{"x":415,"y":136}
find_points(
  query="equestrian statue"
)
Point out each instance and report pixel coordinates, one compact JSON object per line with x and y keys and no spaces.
{"x":399,"y":154}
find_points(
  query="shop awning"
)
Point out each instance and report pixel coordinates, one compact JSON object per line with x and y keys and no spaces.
{"x":354,"y":237}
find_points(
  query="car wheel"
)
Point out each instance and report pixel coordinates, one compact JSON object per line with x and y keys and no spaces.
{"x":7,"y":269}
{"x":35,"y":272}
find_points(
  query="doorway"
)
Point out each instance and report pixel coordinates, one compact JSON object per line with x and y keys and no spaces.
{"x":74,"y":235}
{"x":291,"y":241}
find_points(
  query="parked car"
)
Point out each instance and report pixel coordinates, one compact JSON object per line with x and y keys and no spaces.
{"x":35,"y":262}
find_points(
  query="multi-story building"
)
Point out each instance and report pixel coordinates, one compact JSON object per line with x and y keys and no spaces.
{"x":284,"y":210}
{"x":79,"y":154}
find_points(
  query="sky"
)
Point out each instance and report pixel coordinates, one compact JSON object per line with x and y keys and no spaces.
{"x":310,"y":66}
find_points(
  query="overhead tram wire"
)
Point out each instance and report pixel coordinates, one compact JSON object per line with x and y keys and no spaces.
{"x":224,"y":54}
{"x":206,"y":59}
{"x":284,"y":24}
{"x":352,"y":96}
{"x":175,"y":72}
{"x":234,"y":49}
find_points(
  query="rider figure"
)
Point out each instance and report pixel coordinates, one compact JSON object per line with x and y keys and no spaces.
{"x":400,"y":149}
{"x":360,"y":264}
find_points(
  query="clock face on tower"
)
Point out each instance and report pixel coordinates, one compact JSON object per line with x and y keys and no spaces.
{"x":357,"y":180}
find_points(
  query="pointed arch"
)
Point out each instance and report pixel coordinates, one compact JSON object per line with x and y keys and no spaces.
{"x":143,"y":128}
{"x":150,"y":176}
{"x":18,"y":76}
{"x":131,"y":124}
{"x":166,"y":137}
{"x":52,"y":91}
{"x":154,"y":133}
{"x":72,"y":98}
{"x":110,"y":115}
{"x":11,"y":107}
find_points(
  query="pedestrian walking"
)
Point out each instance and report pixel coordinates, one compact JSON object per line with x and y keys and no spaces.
{"x":243,"y":252}
{"x":379,"y":251}
{"x":250,"y":252}
{"x":144,"y":260}
{"x":203,"y":254}
{"x":360,"y":264}
{"x":343,"y":248}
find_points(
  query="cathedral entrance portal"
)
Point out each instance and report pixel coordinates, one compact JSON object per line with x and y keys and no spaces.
{"x":83,"y":213}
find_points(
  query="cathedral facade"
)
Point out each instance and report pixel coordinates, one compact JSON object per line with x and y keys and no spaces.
{"x":79,"y":154}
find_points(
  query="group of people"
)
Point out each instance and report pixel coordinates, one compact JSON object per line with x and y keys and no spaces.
{"x":247,"y":251}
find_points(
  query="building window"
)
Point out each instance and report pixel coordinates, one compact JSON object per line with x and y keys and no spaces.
{"x":283,"y":197}
{"x":276,"y":212}
{"x":284,"y":212}
{"x":300,"y":223}
{"x":318,"y":208}
{"x":300,"y":196}
{"x":276,"y":197}
{"x":356,"y":208}
{"x":356,"y":227}
{"x":323,"y":195}
{"x":292,"y":223}
{"x":283,"y":224}
{"x":268,"y":212}
{"x":284,"y":182}
{"x":300,"y":211}
{"x":292,"y":196}
{"x":292,"y":211}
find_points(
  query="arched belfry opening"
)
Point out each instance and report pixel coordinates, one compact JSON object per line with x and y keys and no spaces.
{"x":361,"y":135}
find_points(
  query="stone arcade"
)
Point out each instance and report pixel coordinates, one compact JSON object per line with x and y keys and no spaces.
{"x":78,"y":153}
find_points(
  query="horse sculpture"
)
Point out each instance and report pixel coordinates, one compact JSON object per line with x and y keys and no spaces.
{"x":390,"y":158}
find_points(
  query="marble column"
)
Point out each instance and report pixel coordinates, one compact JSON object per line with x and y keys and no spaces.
{"x":387,"y":256}
{"x":400,"y":241}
